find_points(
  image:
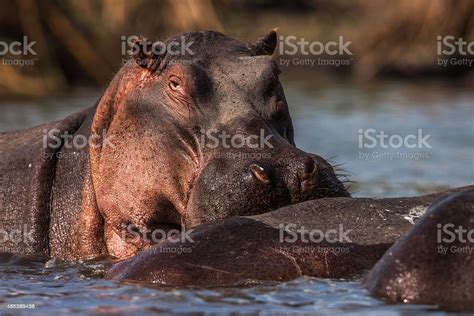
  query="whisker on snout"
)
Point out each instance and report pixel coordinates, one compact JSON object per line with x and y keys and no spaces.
{"x":342,"y":174}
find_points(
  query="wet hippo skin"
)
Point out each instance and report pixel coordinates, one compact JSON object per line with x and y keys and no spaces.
{"x":245,"y":249}
{"x":429,"y":265}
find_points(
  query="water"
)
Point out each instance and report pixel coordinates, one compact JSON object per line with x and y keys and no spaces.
{"x":327,"y":121}
{"x":78,"y":288}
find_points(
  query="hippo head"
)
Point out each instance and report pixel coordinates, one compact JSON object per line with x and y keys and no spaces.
{"x":196,"y":132}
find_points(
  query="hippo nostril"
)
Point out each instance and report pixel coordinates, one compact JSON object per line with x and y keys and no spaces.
{"x":309,"y":169}
{"x":259,"y":173}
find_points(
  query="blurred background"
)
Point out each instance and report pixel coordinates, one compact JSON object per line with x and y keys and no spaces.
{"x":79,"y":42}
{"x":392,"y":80}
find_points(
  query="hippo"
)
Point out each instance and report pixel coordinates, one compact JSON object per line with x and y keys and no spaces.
{"x":284,"y":244}
{"x":433,"y":263}
{"x":147,"y":155}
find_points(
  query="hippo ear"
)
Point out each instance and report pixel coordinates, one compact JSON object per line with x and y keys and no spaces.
{"x":265,"y":45}
{"x":146,"y":54}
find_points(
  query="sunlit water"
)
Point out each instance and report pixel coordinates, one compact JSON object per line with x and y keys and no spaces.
{"x":327,"y":121}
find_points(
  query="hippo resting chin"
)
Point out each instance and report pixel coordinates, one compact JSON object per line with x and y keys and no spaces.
{"x":286,"y":243}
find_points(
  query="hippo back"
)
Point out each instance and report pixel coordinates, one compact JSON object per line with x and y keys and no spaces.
{"x":27,"y":168}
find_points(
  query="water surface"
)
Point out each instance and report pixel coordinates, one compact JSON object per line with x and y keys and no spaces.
{"x":327,"y":121}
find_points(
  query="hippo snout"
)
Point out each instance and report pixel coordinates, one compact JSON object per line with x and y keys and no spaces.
{"x":247,"y":187}
{"x":305,"y":176}
{"x":310,"y":177}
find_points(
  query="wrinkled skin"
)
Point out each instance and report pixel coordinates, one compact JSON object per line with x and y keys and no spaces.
{"x":148,"y":166}
{"x":247,"y":249}
{"x":415,"y":271}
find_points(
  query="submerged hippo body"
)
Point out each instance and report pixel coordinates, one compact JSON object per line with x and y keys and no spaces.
{"x":261,"y":248}
{"x":152,"y":161}
{"x":433,"y":263}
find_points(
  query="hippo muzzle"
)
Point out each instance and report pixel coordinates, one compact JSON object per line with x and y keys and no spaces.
{"x":239,"y":187}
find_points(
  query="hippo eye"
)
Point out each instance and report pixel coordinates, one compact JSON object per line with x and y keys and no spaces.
{"x":175,"y":83}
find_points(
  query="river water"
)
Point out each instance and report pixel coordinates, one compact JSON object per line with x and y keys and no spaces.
{"x":340,"y":121}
